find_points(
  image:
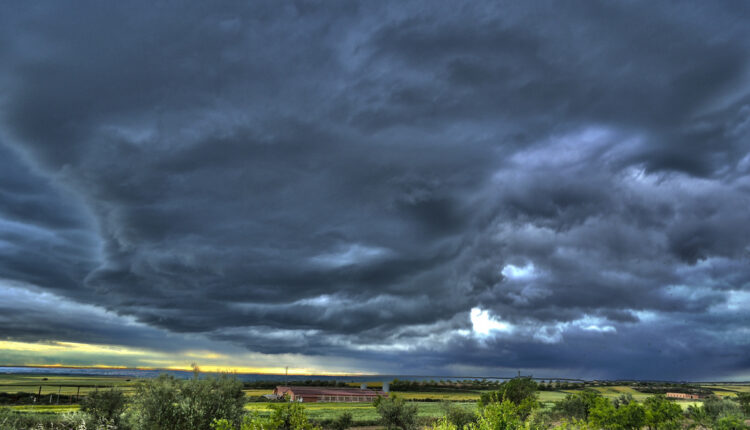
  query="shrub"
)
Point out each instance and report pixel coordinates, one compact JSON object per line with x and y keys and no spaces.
{"x":166,"y":403}
{"x":662,"y":413}
{"x":104,"y":405}
{"x":457,"y":415}
{"x":343,"y":422}
{"x":500,"y":416}
{"x":577,"y":405}
{"x":731,"y":422}
{"x":395,"y":413}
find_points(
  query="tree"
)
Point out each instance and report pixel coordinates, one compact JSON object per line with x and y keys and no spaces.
{"x":604,"y":414}
{"x":395,"y":413}
{"x":662,"y":414}
{"x":731,"y":422}
{"x":716,"y":407}
{"x":457,"y":415}
{"x":744,"y":400}
{"x":343,"y":422}
{"x":577,"y":405}
{"x":500,"y":416}
{"x":104,"y":406}
{"x":515,"y":391}
{"x":522,"y":392}
{"x":167,"y":403}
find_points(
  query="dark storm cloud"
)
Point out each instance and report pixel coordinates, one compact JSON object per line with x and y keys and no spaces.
{"x":353,"y":179}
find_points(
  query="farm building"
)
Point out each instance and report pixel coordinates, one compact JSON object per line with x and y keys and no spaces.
{"x":684,"y":396}
{"x":325,"y":394}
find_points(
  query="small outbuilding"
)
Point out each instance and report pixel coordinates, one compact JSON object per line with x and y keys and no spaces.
{"x":326,"y":395}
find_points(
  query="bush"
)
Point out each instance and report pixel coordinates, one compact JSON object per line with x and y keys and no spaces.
{"x":166,"y":403}
{"x":662,"y":413}
{"x":716,"y":407}
{"x":731,"y":422}
{"x":290,"y":416}
{"x":395,"y":413}
{"x":343,"y":422}
{"x":104,"y":405}
{"x":500,"y":416}
{"x":457,"y":415}
{"x":577,"y":405}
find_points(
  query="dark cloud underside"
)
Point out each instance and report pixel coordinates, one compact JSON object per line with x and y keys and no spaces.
{"x":352,"y":179}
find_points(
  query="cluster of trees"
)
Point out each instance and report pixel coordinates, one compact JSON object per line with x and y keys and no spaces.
{"x":307,"y":382}
{"x":442,"y":385}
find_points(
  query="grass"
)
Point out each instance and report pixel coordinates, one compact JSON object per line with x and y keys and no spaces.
{"x":65,"y":385}
{"x":48,"y":409}
{"x":361,"y":412}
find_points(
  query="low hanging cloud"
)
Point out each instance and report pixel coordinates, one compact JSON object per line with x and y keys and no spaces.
{"x":406,"y":187}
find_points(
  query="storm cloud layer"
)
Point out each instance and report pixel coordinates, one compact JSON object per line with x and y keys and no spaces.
{"x":413,"y":186}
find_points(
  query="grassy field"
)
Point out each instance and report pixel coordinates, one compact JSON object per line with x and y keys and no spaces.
{"x":361,"y":412}
{"x":65,"y":385}
{"x":49,"y":409}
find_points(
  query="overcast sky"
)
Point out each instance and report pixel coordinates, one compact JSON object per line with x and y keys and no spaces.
{"x":404,"y":187}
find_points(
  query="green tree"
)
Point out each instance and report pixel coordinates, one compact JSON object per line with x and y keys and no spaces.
{"x":395,"y":413}
{"x":731,"y":422}
{"x":716,"y":407}
{"x":457,"y":415}
{"x":744,"y":400}
{"x":167,"y":403}
{"x":515,"y":390}
{"x":522,"y":392}
{"x":342,"y":422}
{"x":577,"y":405}
{"x":662,"y":414}
{"x":604,"y":414}
{"x":153,"y":405}
{"x":499,"y":416}
{"x":104,"y":406}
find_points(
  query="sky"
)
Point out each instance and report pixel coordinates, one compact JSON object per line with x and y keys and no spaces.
{"x":407,"y":187}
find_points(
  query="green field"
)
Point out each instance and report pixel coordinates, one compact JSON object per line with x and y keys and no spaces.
{"x":65,"y":385}
{"x":360,"y":411}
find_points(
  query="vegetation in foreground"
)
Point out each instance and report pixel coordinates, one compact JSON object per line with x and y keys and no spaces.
{"x":219,"y":403}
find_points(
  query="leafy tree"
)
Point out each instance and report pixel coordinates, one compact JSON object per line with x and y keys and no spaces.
{"x":444,"y":424}
{"x":395,"y":413}
{"x":604,"y":414}
{"x":499,"y":416}
{"x":577,"y":405}
{"x":731,"y":422}
{"x":343,"y":422}
{"x":515,"y":391}
{"x":522,"y":392}
{"x":458,"y":416}
{"x":631,"y":416}
{"x":744,"y":400}
{"x":699,"y":416}
{"x":716,"y":407}
{"x":167,"y":403}
{"x":662,"y":414}
{"x":104,"y":406}
{"x":153,"y":404}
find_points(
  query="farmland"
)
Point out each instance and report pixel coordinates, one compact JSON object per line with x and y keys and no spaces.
{"x":59,"y":395}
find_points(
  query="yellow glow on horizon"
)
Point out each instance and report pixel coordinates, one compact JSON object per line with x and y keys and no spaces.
{"x":79,"y":355}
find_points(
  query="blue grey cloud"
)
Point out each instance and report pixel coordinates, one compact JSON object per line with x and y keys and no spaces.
{"x":359,"y":179}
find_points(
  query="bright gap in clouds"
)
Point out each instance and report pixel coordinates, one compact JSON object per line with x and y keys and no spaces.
{"x":483,"y":324}
{"x":518,"y":272}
